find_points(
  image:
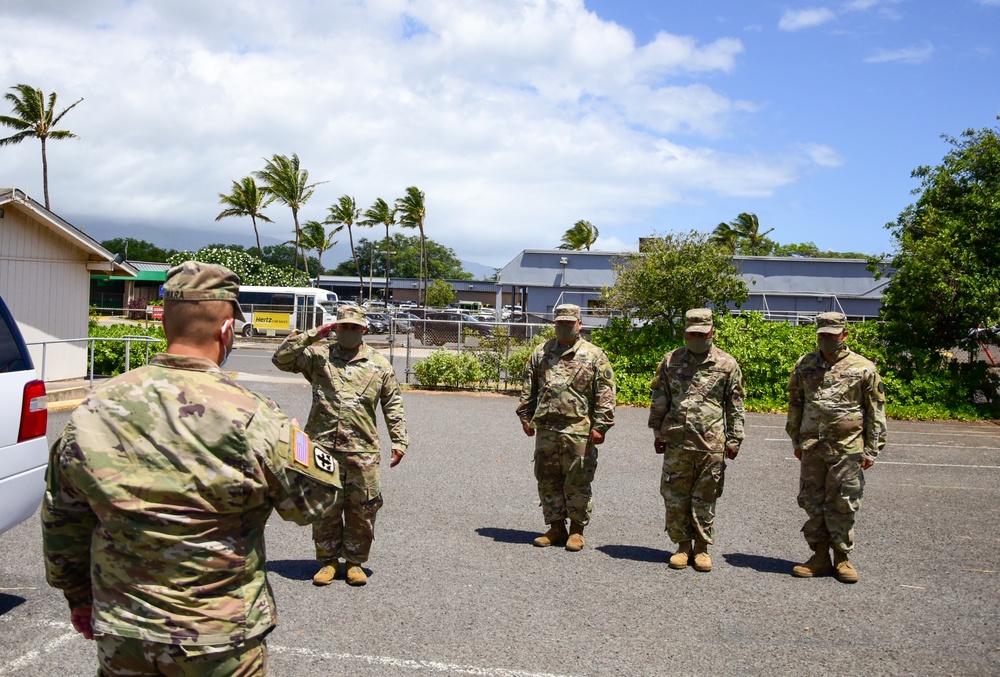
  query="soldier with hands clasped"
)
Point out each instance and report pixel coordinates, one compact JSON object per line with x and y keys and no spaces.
{"x":836,"y":419}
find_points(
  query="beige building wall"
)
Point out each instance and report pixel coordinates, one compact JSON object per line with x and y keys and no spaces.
{"x":45,"y":282}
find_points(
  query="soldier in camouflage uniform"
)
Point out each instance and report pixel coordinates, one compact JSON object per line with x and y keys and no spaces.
{"x":157,"y":493}
{"x":697,"y":419}
{"x":349,"y":380}
{"x":568,"y":398}
{"x":836,"y":419}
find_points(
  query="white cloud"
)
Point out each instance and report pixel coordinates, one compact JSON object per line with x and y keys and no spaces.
{"x":915,"y":54}
{"x":822,"y":155}
{"x":797,"y":19}
{"x":990,"y":3}
{"x":515,"y":118}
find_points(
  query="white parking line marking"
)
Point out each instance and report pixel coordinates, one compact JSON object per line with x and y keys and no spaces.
{"x":924,"y":446}
{"x":933,"y":465}
{"x":433,"y":666}
{"x":33,"y":655}
{"x":985,"y":433}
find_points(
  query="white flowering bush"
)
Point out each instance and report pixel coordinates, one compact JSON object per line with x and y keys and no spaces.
{"x":251,"y":269}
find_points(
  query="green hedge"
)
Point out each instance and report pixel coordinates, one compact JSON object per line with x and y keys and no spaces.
{"x":918,"y":386}
{"x":109,"y":356}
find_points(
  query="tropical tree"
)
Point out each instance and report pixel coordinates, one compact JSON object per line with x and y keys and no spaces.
{"x":346,"y":213}
{"x":246,"y":199}
{"x":582,"y":235}
{"x":315,"y":237}
{"x":671,"y":274}
{"x":412,"y":211}
{"x":442,"y":262}
{"x":440,"y":294}
{"x":32,"y":118}
{"x":380,"y":213}
{"x":743,"y":234}
{"x":284,"y":178}
{"x":134,"y":249}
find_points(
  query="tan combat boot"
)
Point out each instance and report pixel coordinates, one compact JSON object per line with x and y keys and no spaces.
{"x":575,"y":541}
{"x":355,"y":574}
{"x":325,"y":575}
{"x":556,"y":535}
{"x":846,"y":573}
{"x":817,"y":565}
{"x":702,"y":562}
{"x":681,"y":557}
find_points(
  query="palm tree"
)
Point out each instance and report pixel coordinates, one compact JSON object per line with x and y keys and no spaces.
{"x":412,"y":211}
{"x":380,"y":213}
{"x":315,"y":237}
{"x":284,"y":178}
{"x":32,"y":119}
{"x":347,"y":212}
{"x":745,"y":227}
{"x":247,"y":199}
{"x":581,"y":236}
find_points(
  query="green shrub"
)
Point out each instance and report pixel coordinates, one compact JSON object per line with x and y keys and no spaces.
{"x":109,"y":356}
{"x":442,"y":367}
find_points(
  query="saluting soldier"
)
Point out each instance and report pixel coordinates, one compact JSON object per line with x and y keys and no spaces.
{"x":836,"y":419}
{"x":158,"y":490}
{"x":697,"y":419}
{"x":568,"y":399}
{"x":349,"y":381}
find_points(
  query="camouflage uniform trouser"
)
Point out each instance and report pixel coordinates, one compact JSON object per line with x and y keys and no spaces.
{"x":564,"y":467}
{"x":830,"y":489}
{"x":690,"y":484}
{"x":348,"y":528}
{"x":127,"y":657}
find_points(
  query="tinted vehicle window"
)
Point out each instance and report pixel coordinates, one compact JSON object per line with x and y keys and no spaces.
{"x":13,"y":355}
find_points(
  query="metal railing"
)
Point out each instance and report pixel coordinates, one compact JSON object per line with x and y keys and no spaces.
{"x":91,"y":341}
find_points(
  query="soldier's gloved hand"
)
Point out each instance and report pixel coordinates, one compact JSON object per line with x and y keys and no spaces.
{"x":596,"y":437}
{"x":659,"y":445}
{"x":397,"y":456}
{"x":528,"y":430}
{"x":732,"y":449}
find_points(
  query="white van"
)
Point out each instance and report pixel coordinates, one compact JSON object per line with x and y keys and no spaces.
{"x":276,"y":311}
{"x":24,"y":451}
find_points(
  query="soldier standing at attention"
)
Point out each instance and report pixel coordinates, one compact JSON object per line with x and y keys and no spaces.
{"x":569,"y":400}
{"x":697,"y":418}
{"x":349,"y":380}
{"x":158,"y":490}
{"x":836,"y":419}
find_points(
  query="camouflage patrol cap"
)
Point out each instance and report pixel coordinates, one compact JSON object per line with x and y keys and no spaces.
{"x":567,"y":312}
{"x":198,"y":281}
{"x":831,"y":323}
{"x":351,"y":315}
{"x":698,"y":320}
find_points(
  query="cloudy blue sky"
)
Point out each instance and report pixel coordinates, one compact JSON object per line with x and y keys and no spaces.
{"x":516,"y":117}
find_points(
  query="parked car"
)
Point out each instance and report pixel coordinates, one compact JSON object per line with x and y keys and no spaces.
{"x":442,"y":327}
{"x":24,"y":415}
{"x":378,"y":323}
{"x":400,"y":324}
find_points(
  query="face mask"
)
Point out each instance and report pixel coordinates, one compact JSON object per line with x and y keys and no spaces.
{"x":831,"y":345}
{"x":227,"y":325}
{"x":566,"y":332}
{"x":349,"y":339}
{"x":698,"y":345}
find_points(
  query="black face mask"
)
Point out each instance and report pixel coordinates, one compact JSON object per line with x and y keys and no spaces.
{"x":566,"y":332}
{"x":349,"y":339}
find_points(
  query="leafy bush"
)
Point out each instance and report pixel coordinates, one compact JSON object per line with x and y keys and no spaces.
{"x":109,"y":356}
{"x":442,"y":367}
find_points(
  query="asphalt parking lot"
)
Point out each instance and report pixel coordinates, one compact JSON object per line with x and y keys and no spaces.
{"x":456,"y":587}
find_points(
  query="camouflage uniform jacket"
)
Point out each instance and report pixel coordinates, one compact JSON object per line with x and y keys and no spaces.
{"x":697,"y":404}
{"x":568,"y":389}
{"x":840,"y":407}
{"x":345,"y":393}
{"x":158,"y":490}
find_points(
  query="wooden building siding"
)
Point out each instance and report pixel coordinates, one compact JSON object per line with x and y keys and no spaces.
{"x":45,"y":282}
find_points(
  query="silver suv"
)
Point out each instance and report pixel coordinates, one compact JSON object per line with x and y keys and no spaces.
{"x":23,"y":419}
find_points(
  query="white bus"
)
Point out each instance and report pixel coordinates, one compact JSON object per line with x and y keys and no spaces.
{"x":274,"y":311}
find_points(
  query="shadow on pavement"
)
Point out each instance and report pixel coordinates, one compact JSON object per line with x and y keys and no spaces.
{"x":10,"y":602}
{"x":294,"y":569}
{"x":508,"y":535}
{"x":636,"y":553}
{"x":765,"y":565}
